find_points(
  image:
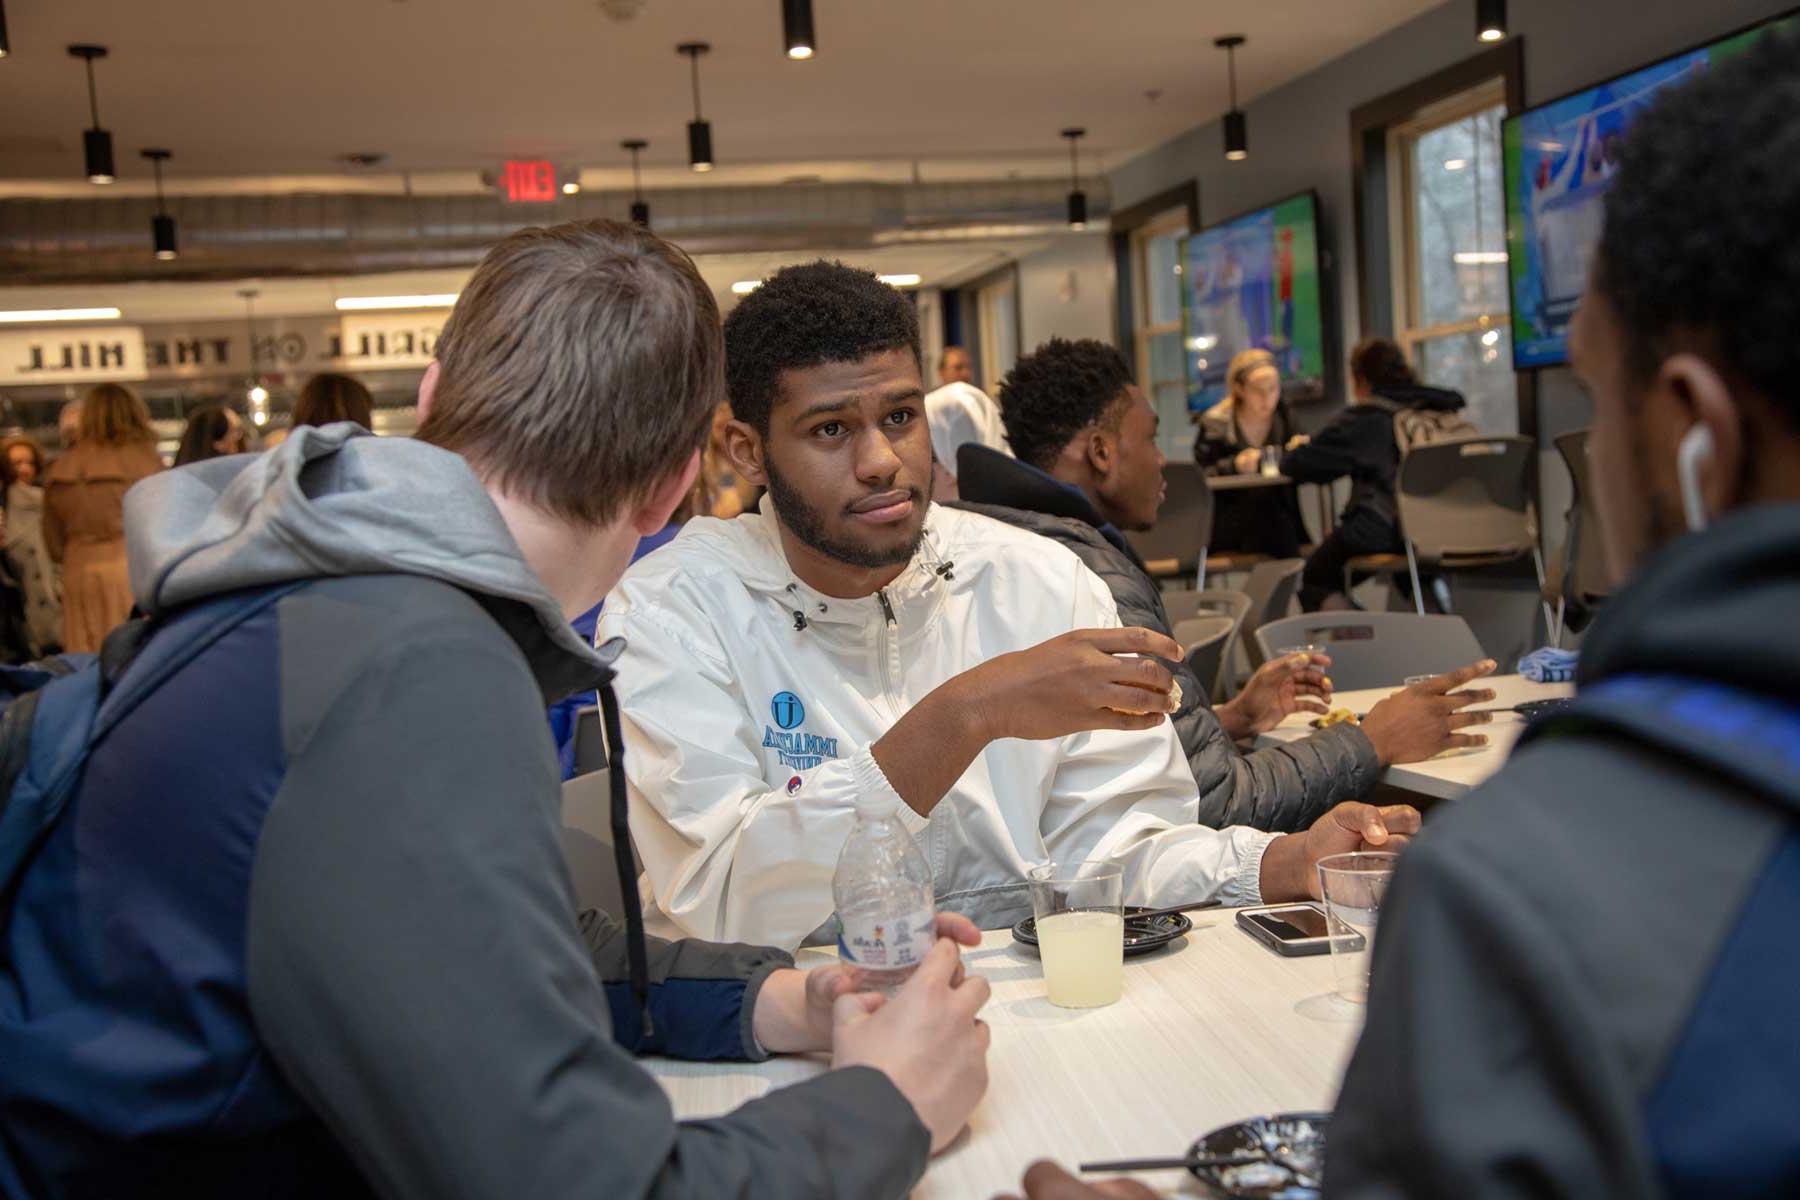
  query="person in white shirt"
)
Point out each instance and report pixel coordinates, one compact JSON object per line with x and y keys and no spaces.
{"x":857,"y":640}
{"x":960,"y":413}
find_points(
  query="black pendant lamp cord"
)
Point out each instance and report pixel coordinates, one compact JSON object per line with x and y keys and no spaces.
{"x":1074,"y":168}
{"x":694,"y":62}
{"x":635,"y":947}
{"x":156,"y":165}
{"x":93,"y":96}
{"x":1231,"y":71}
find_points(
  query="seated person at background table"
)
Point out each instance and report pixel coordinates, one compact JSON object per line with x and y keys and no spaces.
{"x":1359,"y":442}
{"x":306,"y":928}
{"x":853,"y":641}
{"x":955,"y":366}
{"x":1585,"y":977}
{"x":1233,"y":435}
{"x":1089,"y":467}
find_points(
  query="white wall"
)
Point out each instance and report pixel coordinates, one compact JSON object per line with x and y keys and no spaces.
{"x":1066,"y":290}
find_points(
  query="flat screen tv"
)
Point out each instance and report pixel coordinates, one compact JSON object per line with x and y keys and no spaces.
{"x":1253,"y":282}
{"x":1560,"y":158}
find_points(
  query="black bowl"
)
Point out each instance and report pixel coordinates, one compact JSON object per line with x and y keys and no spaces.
{"x":1291,"y":1147}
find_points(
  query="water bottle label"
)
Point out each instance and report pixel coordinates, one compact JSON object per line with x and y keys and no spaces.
{"x":884,"y":943}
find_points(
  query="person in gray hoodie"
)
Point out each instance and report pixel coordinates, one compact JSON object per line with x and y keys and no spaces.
{"x":305,"y":927}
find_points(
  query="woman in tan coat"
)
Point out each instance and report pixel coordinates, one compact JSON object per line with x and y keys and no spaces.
{"x":84,"y":512}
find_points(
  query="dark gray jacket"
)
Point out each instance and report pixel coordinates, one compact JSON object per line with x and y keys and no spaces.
{"x":1585,"y":975}
{"x":326,"y":913}
{"x":1280,"y":789}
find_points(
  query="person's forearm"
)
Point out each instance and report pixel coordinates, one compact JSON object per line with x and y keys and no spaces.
{"x":1284,"y":870}
{"x":930,"y":747}
{"x":1233,"y":720}
{"x":782,"y":1021}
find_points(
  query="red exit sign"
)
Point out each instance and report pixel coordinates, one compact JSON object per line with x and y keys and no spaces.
{"x":529,"y":181}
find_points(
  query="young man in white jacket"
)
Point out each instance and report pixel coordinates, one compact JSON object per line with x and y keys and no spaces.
{"x":857,"y":640}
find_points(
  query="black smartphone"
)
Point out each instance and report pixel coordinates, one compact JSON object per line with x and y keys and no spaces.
{"x":1292,"y":929}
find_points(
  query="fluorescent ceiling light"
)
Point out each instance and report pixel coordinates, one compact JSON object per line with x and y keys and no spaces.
{"x":1478,"y":258}
{"x":1455,"y":164}
{"x":899,"y":280}
{"x":744,"y":287}
{"x":32,"y":316}
{"x":365,"y":303}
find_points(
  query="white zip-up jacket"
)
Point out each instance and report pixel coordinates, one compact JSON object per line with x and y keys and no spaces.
{"x":750,"y":702}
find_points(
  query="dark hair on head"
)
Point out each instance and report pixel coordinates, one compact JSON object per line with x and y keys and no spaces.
{"x":328,"y":398}
{"x":806,"y":316}
{"x":1700,"y":222}
{"x":1058,"y":390}
{"x":1378,"y":362}
{"x":205,"y":427}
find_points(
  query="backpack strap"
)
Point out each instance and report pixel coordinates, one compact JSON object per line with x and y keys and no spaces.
{"x":1748,"y":737}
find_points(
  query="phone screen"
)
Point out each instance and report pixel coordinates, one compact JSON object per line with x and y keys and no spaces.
{"x":1291,"y":924}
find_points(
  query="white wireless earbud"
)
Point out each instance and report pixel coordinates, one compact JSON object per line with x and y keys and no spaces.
{"x":1695,"y":451}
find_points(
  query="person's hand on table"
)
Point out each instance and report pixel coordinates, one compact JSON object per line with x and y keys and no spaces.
{"x":1422,"y":719}
{"x":794,"y":1009}
{"x":927,"y":1040}
{"x":1288,"y":865}
{"x":1047,"y":1181}
{"x":1289,"y":684}
{"x":1297,"y":441}
{"x":1247,"y":461}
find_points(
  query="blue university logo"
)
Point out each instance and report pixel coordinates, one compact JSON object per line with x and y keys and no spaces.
{"x":787,"y":710}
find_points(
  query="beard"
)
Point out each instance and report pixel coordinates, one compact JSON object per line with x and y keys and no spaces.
{"x":808,"y":524}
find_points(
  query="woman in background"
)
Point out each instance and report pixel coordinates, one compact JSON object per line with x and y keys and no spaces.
{"x":27,"y":557}
{"x":1233,"y":433}
{"x":328,"y":398}
{"x":84,"y":512}
{"x":213,"y":431}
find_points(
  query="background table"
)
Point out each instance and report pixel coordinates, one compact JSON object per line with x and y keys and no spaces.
{"x":1236,"y":483}
{"x":1454,"y":774}
{"x":1210,"y":1031}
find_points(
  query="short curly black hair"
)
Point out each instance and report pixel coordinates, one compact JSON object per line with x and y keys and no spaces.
{"x":1058,"y":390}
{"x":804,"y":316}
{"x":1700,"y":233}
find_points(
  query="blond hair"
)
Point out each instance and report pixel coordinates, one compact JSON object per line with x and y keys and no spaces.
{"x":113,"y":415}
{"x":1244,"y":363}
{"x":579,"y":368}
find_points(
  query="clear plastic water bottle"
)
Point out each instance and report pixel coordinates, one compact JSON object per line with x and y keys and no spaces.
{"x":886,"y":914}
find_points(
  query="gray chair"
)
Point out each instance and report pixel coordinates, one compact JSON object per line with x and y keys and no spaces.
{"x":588,"y":844}
{"x":1184,"y":605}
{"x":1204,"y":641}
{"x":1175,"y":547}
{"x":1371,"y":649}
{"x":590,"y":742}
{"x":1578,"y":582}
{"x":1271,"y":588}
{"x":1467,"y":503}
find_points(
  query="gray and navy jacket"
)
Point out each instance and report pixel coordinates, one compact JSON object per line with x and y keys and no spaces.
{"x":306,"y":928}
{"x":1280,"y":788}
{"x":1587,"y":975}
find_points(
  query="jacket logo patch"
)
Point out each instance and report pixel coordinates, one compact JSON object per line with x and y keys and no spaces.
{"x":787,"y":710}
{"x":793,"y":785}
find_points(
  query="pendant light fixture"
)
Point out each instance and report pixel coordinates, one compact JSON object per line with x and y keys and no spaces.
{"x":797,"y":28}
{"x":1077,"y":197}
{"x":1490,"y":20}
{"x":5,"y":45}
{"x":1237,"y":129}
{"x":640,"y":211}
{"x":97,"y":142}
{"x":700,"y":155}
{"x":162,"y":225}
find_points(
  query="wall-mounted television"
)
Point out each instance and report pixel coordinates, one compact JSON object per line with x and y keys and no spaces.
{"x":1253,"y":282}
{"x":1560,"y":157}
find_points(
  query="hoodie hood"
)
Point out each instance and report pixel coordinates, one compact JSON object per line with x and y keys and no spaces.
{"x":1420,"y":396}
{"x":1712,"y":606}
{"x":340,"y":501}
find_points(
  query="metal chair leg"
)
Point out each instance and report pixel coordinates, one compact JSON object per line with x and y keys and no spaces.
{"x":1412,"y":565}
{"x":1551,"y":629}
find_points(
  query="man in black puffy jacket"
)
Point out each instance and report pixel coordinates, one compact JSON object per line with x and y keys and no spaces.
{"x":1088,"y":467}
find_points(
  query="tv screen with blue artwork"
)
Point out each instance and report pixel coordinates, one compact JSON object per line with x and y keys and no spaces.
{"x":1560,"y":158}
{"x":1253,"y":283}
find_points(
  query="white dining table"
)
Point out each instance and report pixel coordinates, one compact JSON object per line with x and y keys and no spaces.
{"x":1211,"y":1030}
{"x":1455,"y":772}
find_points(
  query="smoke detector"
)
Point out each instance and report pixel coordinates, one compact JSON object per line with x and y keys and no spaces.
{"x":622,"y":10}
